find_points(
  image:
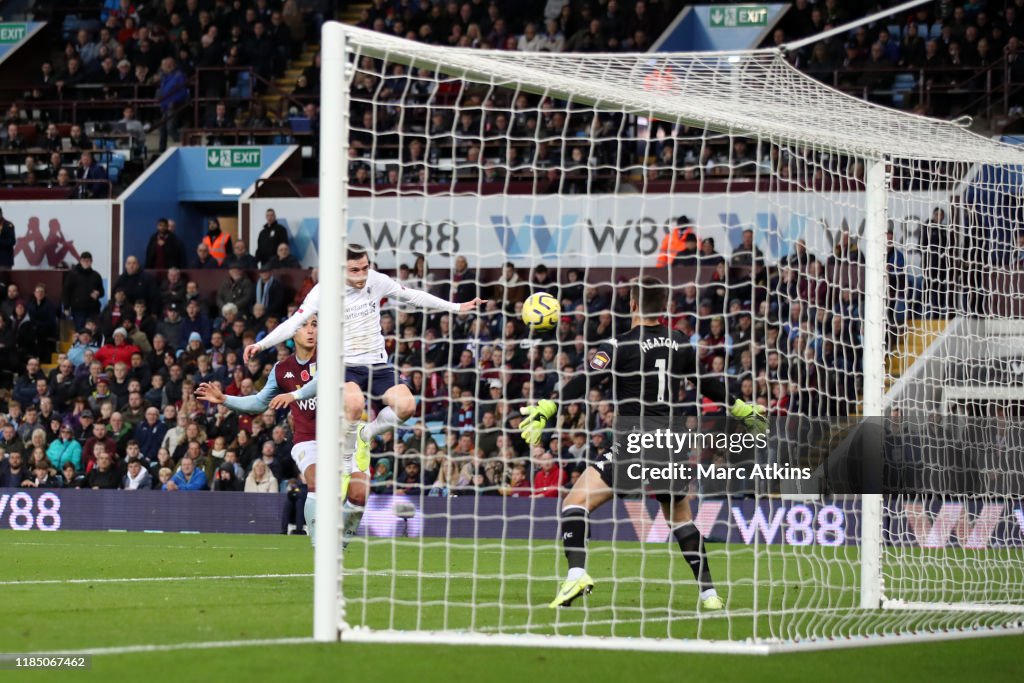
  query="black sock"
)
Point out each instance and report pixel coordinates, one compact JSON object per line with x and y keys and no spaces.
{"x":574,"y":536}
{"x":692,"y":545}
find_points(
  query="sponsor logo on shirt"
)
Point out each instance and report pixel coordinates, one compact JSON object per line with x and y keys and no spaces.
{"x":289,"y":375}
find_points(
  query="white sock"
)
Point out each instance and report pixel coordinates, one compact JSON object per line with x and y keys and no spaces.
{"x":386,"y":419}
{"x":575,"y":573}
{"x":309,"y":510}
{"x":709,"y":593}
{"x":351,"y":515}
{"x":349,"y":442}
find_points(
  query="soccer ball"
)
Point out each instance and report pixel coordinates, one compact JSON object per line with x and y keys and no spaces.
{"x":541,"y":311}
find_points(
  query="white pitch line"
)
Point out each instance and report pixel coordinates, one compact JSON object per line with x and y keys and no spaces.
{"x":172,"y":647}
{"x":149,"y":545}
{"x":133,"y":579}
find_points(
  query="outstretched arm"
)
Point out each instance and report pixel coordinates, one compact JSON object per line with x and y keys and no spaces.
{"x":288,"y":327}
{"x":301,"y":394}
{"x":422,"y":299}
{"x":256,"y":403}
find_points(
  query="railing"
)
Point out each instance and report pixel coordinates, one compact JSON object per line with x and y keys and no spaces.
{"x":963,"y":89}
{"x":16,"y":171}
{"x":239,"y":136}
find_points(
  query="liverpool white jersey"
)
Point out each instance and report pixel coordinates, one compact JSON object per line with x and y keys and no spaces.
{"x":364,"y":343}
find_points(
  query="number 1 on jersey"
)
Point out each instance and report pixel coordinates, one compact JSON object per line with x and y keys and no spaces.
{"x":662,"y":365}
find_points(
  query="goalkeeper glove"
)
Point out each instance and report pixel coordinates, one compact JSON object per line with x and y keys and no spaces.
{"x":535,"y":418}
{"x":751,"y":415}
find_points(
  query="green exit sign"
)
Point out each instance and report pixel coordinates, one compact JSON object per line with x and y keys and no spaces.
{"x":12,"y":33}
{"x":739,"y":16}
{"x":234,"y":157}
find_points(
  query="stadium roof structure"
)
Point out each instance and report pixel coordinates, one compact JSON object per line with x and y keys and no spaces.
{"x":751,"y":93}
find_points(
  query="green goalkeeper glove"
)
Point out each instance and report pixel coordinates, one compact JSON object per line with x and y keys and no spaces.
{"x":535,"y":418}
{"x":751,"y":415}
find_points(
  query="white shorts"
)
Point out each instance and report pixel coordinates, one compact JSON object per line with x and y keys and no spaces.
{"x":304,"y":455}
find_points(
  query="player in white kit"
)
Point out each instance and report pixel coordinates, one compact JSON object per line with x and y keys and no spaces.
{"x":367,"y":370}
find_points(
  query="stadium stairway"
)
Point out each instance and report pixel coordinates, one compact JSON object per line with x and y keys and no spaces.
{"x":66,"y":339}
{"x":286,"y":84}
{"x":918,"y":336}
{"x":349,"y":14}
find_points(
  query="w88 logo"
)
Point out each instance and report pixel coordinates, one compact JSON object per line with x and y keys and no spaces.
{"x":22,"y":513}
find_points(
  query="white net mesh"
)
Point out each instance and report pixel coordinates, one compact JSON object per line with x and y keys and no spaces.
{"x":583,"y":172}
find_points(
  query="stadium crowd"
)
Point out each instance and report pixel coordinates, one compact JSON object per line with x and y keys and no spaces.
{"x":118,"y":409}
{"x":148,"y":55}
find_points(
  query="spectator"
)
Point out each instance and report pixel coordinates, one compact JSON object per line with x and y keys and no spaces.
{"x":99,"y":438}
{"x":119,"y":351}
{"x":172,"y":289}
{"x":218,"y":241}
{"x":170,"y":327}
{"x":272,"y":234}
{"x":203,"y":259}
{"x":72,"y":478}
{"x":260,"y":479}
{"x":172,"y":93}
{"x":105,"y":474}
{"x":410,"y":481}
{"x":44,"y":314}
{"x":195,"y":322}
{"x":65,"y":450}
{"x":548,"y":480}
{"x":218,"y":120}
{"x":518,"y":484}
{"x":7,"y":242}
{"x":241,"y":258}
{"x":237,"y":289}
{"x":137,"y":478}
{"x":270,"y":293}
{"x":25,"y":386}
{"x":92,"y":178}
{"x":149,"y":433}
{"x":136,"y":283}
{"x":225,"y":479}
{"x":284,"y":258}
{"x":111,"y":316}
{"x":165,"y":249}
{"x":43,"y":477}
{"x":13,"y":471}
{"x":187,"y":478}
{"x":11,"y":442}
{"x":82,"y":291}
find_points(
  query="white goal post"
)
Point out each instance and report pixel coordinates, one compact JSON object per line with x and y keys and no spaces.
{"x":588,"y":163}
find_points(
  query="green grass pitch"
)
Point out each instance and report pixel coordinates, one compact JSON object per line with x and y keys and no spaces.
{"x":65,"y":592}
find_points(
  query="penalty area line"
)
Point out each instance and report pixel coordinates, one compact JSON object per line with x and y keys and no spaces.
{"x":134,"y":579}
{"x":173,"y":647}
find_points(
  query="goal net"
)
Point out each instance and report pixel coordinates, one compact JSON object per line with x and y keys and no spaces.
{"x":854,"y":270}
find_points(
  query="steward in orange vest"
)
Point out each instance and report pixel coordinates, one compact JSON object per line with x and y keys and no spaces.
{"x":674,"y":245}
{"x":218,"y":242}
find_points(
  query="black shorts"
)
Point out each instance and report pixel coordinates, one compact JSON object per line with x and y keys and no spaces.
{"x":374,"y":381}
{"x":620,"y":472}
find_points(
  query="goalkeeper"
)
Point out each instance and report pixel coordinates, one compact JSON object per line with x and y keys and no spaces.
{"x":646,"y":366}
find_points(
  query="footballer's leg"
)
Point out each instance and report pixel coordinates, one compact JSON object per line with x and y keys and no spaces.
{"x":399,"y":405}
{"x":304,"y":455}
{"x":588,"y":493}
{"x":355,"y":504}
{"x":691,"y":543}
{"x":355,"y":404}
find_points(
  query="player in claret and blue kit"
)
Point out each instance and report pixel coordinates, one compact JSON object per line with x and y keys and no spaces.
{"x":292,"y":384}
{"x":645,"y":368}
{"x":367,"y":369}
